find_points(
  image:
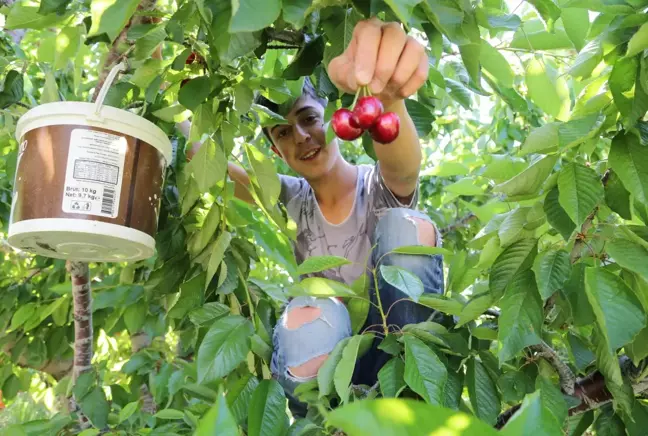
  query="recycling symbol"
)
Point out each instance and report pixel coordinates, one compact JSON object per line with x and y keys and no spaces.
{"x":76,"y":205}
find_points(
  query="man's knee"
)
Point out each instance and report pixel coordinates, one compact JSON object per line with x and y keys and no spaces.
{"x":405,"y":227}
{"x":305,"y":335}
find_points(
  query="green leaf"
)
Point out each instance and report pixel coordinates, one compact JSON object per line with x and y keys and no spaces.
{"x":441,"y":303}
{"x":208,"y":312}
{"x":579,"y":191}
{"x":582,"y":356}
{"x":12,"y":90}
{"x":617,"y":197}
{"x":344,"y":369}
{"x":169,"y":414}
{"x":218,"y":420}
{"x":496,"y":65}
{"x":209,"y":165}
{"x":316,"y":264}
{"x":320,"y":287}
{"x":217,"y":253}
{"x":629,"y":255}
{"x":529,"y":181}
{"x":68,"y":42}
{"x":547,"y":88}
{"x":95,"y":406}
{"x":516,"y":257}
{"x":552,"y":269}
{"x":50,"y":6}
{"x":128,"y":411}
{"x":574,"y":290}
{"x":135,"y":316}
{"x":618,"y":312}
{"x":475,"y":307}
{"x":573,"y":20}
{"x":194,"y":92}
{"x":84,"y":384}
{"x":520,"y":324}
{"x":250,"y":15}
{"x":425,"y":374}
{"x":543,"y":139}
{"x":622,"y":80}
{"x":556,"y":215}
{"x":482,"y":392}
{"x":22,"y":16}
{"x":391,"y":377}
{"x":294,"y":11}
{"x":266,"y":175}
{"x":587,"y":60}
{"x":109,"y":18}
{"x":538,"y":38}
{"x":548,"y":10}
{"x":421,"y":250}
{"x":512,"y":227}
{"x":385,"y":416}
{"x":608,"y":423}
{"x":24,"y":313}
{"x":629,"y":159}
{"x":267,"y":416}
{"x":533,"y":418}
{"x":224,"y":347}
{"x":403,"y":8}
{"x":326,"y":372}
{"x":578,"y":130}
{"x":403,"y":280}
{"x":638,"y":42}
{"x":422,"y":117}
{"x":147,"y":43}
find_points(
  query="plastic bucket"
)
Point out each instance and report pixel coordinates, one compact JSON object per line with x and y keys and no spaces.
{"x":88,"y":182}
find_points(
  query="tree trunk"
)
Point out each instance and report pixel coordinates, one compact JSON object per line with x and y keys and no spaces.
{"x":139,"y":341}
{"x":83,"y":337}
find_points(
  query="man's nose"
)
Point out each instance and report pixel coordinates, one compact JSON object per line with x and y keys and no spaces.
{"x":301,"y":135}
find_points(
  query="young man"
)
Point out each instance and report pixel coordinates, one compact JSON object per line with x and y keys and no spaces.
{"x":357,"y":212}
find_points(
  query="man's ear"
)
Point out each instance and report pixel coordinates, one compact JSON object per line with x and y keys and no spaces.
{"x":276,"y":150}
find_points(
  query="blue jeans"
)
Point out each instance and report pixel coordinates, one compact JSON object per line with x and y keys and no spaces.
{"x":293,"y":347}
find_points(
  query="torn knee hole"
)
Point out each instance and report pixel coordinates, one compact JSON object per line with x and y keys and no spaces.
{"x":426,"y":231}
{"x":310,"y":368}
{"x":299,"y":316}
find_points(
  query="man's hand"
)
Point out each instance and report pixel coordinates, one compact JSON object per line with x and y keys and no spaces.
{"x":382,"y":56}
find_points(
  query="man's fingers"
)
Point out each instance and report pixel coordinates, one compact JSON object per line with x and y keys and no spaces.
{"x":391,"y":45}
{"x":407,"y":64}
{"x":340,"y":72}
{"x":367,"y":35}
{"x":417,"y":79}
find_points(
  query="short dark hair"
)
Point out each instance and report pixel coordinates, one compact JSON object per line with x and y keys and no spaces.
{"x":307,"y":89}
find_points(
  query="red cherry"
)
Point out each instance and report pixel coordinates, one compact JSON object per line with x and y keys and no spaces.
{"x":342,"y":125}
{"x":184,"y":82}
{"x":191,"y":58}
{"x":366,"y":111}
{"x":386,"y":128}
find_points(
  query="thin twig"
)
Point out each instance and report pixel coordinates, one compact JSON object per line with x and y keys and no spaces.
{"x":567,"y":377}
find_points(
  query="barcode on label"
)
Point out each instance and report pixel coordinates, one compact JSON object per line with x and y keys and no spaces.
{"x":108,"y":201}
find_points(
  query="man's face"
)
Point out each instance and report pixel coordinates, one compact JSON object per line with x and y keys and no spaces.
{"x":301,"y":142}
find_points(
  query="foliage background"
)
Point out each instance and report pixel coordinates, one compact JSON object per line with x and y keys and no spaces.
{"x":535,"y":142}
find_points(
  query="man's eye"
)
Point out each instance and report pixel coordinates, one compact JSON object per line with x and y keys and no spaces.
{"x":282,"y":133}
{"x":311,"y":119}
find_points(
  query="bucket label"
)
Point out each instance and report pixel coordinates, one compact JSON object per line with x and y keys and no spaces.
{"x":94,"y":174}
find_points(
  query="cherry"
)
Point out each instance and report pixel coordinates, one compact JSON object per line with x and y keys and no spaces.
{"x":366,"y":111}
{"x":184,"y":82}
{"x":191,"y":58}
{"x":386,"y":128}
{"x":343,"y":126}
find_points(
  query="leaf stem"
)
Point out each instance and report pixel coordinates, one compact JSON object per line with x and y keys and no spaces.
{"x":380,"y":307}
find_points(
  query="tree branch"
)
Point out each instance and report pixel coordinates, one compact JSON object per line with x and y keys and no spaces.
{"x":567,"y":377}
{"x":83,"y":335}
{"x":591,"y":390}
{"x":460,"y":223}
{"x":286,"y":36}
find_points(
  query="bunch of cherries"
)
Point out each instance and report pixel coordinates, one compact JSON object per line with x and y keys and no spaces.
{"x":367,"y":114}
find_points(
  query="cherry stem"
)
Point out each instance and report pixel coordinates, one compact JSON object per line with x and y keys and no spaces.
{"x":358,"y":92}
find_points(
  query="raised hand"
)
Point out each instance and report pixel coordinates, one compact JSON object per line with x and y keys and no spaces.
{"x":382,"y":56}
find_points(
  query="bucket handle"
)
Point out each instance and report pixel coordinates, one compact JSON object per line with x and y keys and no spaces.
{"x":106,"y":86}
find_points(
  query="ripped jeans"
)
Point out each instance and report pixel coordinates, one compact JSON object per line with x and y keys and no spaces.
{"x":328,"y":322}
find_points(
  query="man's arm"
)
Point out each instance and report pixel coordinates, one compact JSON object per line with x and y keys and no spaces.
{"x":236,"y":173}
{"x":393,"y":66}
